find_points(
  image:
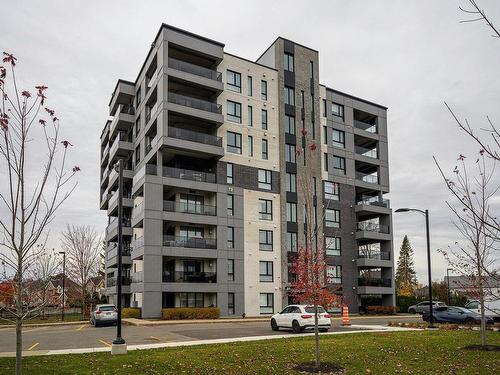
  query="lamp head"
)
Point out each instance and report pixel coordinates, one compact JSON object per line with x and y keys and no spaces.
{"x":402,"y":210}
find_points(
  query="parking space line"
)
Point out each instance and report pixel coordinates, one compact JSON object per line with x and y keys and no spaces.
{"x":34,"y":346}
{"x":155,"y":338}
{"x":81,"y":327}
{"x":104,"y":342}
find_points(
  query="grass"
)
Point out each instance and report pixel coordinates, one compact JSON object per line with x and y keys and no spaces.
{"x":48,"y":319}
{"x":415,"y":352}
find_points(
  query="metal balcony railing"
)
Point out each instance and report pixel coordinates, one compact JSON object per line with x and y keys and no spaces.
{"x":194,"y":69}
{"x":189,"y":208}
{"x":111,"y":281}
{"x":189,"y":101}
{"x":370,"y":128}
{"x":138,"y":242}
{"x":189,"y":277}
{"x":373,"y":227}
{"x":126,"y":221}
{"x":374,"y":201}
{"x":127,"y":109}
{"x":151,"y":169}
{"x":386,"y":283}
{"x":138,"y":277}
{"x":187,"y":174}
{"x":190,"y":135}
{"x":381,"y":255}
{"x":189,"y":242}
{"x":368,"y":152}
{"x":370,"y":178}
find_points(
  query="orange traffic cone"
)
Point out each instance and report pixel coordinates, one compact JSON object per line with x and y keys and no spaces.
{"x":345,"y":316}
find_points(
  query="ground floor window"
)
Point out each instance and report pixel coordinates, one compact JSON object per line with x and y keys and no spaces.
{"x":230,"y":303}
{"x":191,"y":299}
{"x":266,"y":303}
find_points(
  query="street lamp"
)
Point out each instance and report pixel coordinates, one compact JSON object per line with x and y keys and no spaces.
{"x":426,"y":214}
{"x":63,"y":282}
{"x":448,"y":281}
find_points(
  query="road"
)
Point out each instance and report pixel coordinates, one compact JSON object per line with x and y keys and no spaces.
{"x":87,"y":336}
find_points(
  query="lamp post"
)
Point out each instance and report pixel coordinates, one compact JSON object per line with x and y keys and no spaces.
{"x":63,"y":253}
{"x":426,"y":214}
{"x":448,"y":281}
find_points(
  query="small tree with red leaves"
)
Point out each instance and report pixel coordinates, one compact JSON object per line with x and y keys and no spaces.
{"x":35,"y":182}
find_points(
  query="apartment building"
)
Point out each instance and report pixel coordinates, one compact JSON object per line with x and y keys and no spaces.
{"x":210,"y":208}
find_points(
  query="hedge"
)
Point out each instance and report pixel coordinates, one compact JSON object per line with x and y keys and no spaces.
{"x":183,"y":313}
{"x":382,"y":309}
{"x":403,"y":302}
{"x":131,"y":312}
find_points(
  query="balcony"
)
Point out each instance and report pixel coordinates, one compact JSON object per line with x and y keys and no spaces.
{"x":188,"y":101}
{"x":189,"y":242}
{"x":192,"y":136}
{"x":368,"y":178}
{"x":372,"y":207}
{"x":189,"y":277}
{"x":369,"y":232}
{"x":378,"y":282}
{"x":187,"y":174}
{"x":381,"y":255}
{"x":194,"y":69}
{"x":189,"y":208}
{"x":111,"y":281}
{"x":121,"y":148}
{"x":123,"y":94}
{"x":374,"y":201}
{"x":372,"y":227}
{"x":138,"y":277}
{"x":112,"y":229}
{"x":367,"y":152}
{"x":370,"y":128}
{"x":123,"y":120}
{"x":112,"y":258}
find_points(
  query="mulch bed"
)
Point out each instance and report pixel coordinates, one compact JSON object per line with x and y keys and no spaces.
{"x":487,"y":348}
{"x":324,"y":368}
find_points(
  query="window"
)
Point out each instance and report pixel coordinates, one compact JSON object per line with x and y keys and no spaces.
{"x":230,"y":205}
{"x":230,"y":303}
{"x":289,"y":124}
{"x":233,"y":81}
{"x":264,"y":119}
{"x":311,"y":67}
{"x":263,"y":90}
{"x":332,"y":218}
{"x":325,"y":162}
{"x":315,"y":190}
{"x":266,"y":240}
{"x":332,"y":245}
{"x":234,"y":142}
{"x":338,"y":138}
{"x":265,"y":209}
{"x":250,"y":115}
{"x":234,"y":111}
{"x":249,"y":86}
{"x":191,"y":232}
{"x":323,"y":107}
{"x":290,"y":153}
{"x":289,"y":95}
{"x":191,"y":299}
{"x":334,"y":274}
{"x":332,"y":191}
{"x":266,"y":272}
{"x":229,"y":173}
{"x":325,"y":135}
{"x":291,"y":182}
{"x":302,"y":99}
{"x":291,"y":241}
{"x":191,"y":203}
{"x":264,"y":179}
{"x":339,"y":163}
{"x":137,"y":126}
{"x":266,"y":303}
{"x":230,"y":269}
{"x":288,"y":62}
{"x":265,"y":154}
{"x":291,"y":212}
{"x":138,"y":154}
{"x":138,"y":97}
{"x":338,"y":110}
{"x":230,"y":237}
{"x":250,"y":145}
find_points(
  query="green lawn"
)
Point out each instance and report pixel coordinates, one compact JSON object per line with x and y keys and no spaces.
{"x":49,"y":319}
{"x":416,"y":352}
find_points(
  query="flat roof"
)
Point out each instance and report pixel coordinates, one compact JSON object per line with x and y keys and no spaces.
{"x":250,"y":61}
{"x":354,"y":97}
{"x":288,"y":40}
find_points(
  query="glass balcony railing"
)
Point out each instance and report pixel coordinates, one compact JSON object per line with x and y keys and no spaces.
{"x":189,"y":277}
{"x":189,"y":242}
{"x":369,"y":178}
{"x":111,"y":281}
{"x":138,"y":277}
{"x":372,"y":227}
{"x":190,"y":135}
{"x":386,"y":283}
{"x":374,"y":201}
{"x":381,"y":255}
{"x":189,"y":101}
{"x":371,"y":153}
{"x":189,"y":208}
{"x":194,"y":69}
{"x":370,"y":128}
{"x":187,"y":174}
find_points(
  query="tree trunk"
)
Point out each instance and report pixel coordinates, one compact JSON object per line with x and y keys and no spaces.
{"x":481,"y":302}
{"x":316,"y":335}
{"x":19,"y":321}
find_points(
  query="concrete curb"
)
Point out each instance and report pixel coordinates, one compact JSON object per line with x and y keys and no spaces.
{"x":5,"y":326}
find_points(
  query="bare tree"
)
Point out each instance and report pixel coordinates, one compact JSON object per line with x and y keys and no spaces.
{"x":28,"y":201}
{"x":83,"y":248}
{"x":479,"y":15}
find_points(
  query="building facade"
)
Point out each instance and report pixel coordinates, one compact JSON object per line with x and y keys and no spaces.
{"x":210,"y":210}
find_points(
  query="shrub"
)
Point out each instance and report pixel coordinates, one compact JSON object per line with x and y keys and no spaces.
{"x":403,"y":302}
{"x":183,"y":313}
{"x":131,"y":312}
{"x":382,"y":309}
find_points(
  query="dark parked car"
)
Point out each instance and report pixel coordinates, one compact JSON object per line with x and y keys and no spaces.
{"x":454,"y":314}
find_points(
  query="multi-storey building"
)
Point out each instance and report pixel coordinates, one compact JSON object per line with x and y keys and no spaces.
{"x":210,"y":210}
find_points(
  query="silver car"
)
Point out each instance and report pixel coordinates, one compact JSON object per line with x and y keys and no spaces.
{"x":423,"y":307}
{"x":103,"y":314}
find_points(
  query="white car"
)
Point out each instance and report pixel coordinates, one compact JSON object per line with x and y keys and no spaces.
{"x":491,"y":308}
{"x":103,"y":314}
{"x":300,"y":317}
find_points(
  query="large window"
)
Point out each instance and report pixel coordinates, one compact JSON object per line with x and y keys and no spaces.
{"x":250,"y":146}
{"x":338,"y":138}
{"x":249,"y":86}
{"x":334,"y":274}
{"x":265,"y":179}
{"x":325,"y":135}
{"x":291,"y":182}
{"x":233,"y":81}
{"x":289,"y":95}
{"x":291,"y":241}
{"x":230,"y":303}
{"x":264,"y":119}
{"x":230,"y":237}
{"x":290,"y":153}
{"x":265,"y":240}
{"x":230,"y":205}
{"x":191,"y":299}
{"x":266,"y":303}
{"x":332,"y":218}
{"x":339,"y":163}
{"x":234,"y":142}
{"x":265,"y":209}
{"x":323,"y":108}
{"x":265,"y":149}
{"x":229,"y":173}
{"x":250,"y":115}
{"x":289,"y":124}
{"x":332,"y":245}
{"x":263,"y":90}
{"x":338,"y":110}
{"x":234,"y":111}
{"x":291,"y":212}
{"x":230,"y":269}
{"x":191,"y":203}
{"x":325,"y":162}
{"x":191,"y":232}
{"x":288,"y":63}
{"x":266,"y":271}
{"x":332,"y":191}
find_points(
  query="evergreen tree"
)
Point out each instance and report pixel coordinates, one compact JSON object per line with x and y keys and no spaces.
{"x":406,"y":277}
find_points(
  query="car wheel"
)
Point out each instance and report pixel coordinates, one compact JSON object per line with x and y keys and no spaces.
{"x":274,"y":325}
{"x":296,"y":327}
{"x":96,"y":324}
{"x":470,"y":321}
{"x":412,"y":311}
{"x":323,"y":329}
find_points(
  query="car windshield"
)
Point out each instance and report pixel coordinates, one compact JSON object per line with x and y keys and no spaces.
{"x":310,"y":309}
{"x":107,"y":308}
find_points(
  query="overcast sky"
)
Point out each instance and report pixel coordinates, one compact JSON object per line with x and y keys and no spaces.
{"x":408,"y":55}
